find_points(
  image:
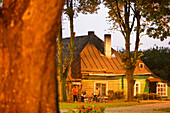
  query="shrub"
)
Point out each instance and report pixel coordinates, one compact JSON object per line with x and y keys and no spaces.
{"x":158,"y":97}
{"x":88,"y":109}
{"x":119,"y":94}
{"x":152,"y":96}
{"x":116,"y":95}
{"x":145,"y":96}
{"x":138,"y":96}
{"x":111,"y":95}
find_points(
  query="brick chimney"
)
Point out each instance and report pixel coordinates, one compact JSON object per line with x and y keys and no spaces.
{"x":90,"y":33}
{"x":107,"y":45}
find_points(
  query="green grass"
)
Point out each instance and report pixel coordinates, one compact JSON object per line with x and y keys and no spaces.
{"x":111,"y":104}
{"x":163,"y":109}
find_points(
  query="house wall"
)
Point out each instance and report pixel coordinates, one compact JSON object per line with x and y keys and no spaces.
{"x":168,"y":91}
{"x":76,"y":67}
{"x":144,"y":84}
{"x":88,"y":86}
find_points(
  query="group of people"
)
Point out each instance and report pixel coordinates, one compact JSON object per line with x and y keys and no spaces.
{"x":75,"y":97}
{"x":83,"y":94}
{"x":96,"y":94}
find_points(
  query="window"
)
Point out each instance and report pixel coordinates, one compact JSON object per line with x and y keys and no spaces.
{"x":141,"y":65}
{"x":102,"y":86}
{"x":161,"y":89}
{"x":137,"y":88}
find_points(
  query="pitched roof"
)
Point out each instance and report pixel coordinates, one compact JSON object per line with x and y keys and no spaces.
{"x":91,"y":50}
{"x":80,"y":42}
{"x":92,"y":60}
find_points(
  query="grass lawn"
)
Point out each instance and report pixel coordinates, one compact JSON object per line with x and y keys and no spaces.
{"x":163,"y":109}
{"x":110,"y":104}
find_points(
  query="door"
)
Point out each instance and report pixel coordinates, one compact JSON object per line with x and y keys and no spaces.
{"x":152,"y":87}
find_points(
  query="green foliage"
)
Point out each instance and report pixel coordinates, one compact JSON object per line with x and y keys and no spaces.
{"x":158,"y":60}
{"x":81,"y":6}
{"x":146,"y":96}
{"x":138,"y":16}
{"x":138,"y":96}
{"x":156,"y":13}
{"x":163,"y":109}
{"x":142,"y":96}
{"x":116,"y":95}
{"x":88,"y":6}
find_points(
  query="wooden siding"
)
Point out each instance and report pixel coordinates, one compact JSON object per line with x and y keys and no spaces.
{"x":76,"y":67}
{"x":88,"y":86}
{"x":144,"y":84}
{"x":168,"y":91}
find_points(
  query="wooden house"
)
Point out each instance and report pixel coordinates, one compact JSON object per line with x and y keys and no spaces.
{"x":96,"y":64}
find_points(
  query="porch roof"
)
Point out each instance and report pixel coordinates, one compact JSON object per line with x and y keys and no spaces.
{"x":154,"y":79}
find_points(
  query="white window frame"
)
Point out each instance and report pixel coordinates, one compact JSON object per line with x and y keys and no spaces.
{"x":135,"y":88}
{"x":160,"y":87}
{"x":103,"y":82}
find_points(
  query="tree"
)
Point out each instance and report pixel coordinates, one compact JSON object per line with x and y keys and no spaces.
{"x":124,"y":14}
{"x":158,"y":60}
{"x":27,"y":56}
{"x":63,"y":75}
{"x":72,"y":8}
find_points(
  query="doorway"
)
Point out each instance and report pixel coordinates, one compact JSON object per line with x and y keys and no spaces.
{"x":152,"y":87}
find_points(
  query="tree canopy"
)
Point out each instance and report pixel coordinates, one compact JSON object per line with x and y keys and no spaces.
{"x":158,"y":60}
{"x":138,"y":16}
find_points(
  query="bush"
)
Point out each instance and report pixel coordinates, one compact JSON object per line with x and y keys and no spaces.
{"x":119,"y":94}
{"x":146,"y":96}
{"x":116,"y":95}
{"x":158,"y":97}
{"x":88,"y":109}
{"x":111,"y":95}
{"x":138,"y":96}
{"x":152,"y":96}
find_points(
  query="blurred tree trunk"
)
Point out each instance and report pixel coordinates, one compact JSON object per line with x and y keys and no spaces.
{"x":28,"y":56}
{"x":70,"y":13}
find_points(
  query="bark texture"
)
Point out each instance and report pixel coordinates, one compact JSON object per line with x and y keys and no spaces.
{"x":28,"y":55}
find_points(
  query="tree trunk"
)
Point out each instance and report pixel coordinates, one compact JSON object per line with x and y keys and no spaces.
{"x":28,"y":56}
{"x":64,"y":98}
{"x":60,"y":64}
{"x":70,"y":13}
{"x":130,"y":84}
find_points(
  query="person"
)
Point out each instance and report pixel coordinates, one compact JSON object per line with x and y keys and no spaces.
{"x":96,"y":95}
{"x":82,"y":96}
{"x":74,"y":94}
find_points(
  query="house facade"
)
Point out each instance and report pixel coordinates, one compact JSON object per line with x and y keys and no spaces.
{"x":97,"y":65}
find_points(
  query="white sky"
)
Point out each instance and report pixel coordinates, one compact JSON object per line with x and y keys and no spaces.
{"x":99,"y":24}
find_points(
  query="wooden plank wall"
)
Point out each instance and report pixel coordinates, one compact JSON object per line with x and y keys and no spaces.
{"x":88,"y":86}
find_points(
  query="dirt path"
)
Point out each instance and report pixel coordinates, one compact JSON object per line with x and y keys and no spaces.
{"x":147,"y":108}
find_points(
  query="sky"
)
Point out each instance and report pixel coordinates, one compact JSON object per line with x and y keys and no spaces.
{"x":100,"y":25}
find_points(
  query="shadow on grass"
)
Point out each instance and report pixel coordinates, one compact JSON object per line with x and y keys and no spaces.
{"x":163,"y":109}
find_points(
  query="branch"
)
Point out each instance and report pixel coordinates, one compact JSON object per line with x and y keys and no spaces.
{"x":134,"y":11}
{"x":120,"y":24}
{"x":137,"y":38}
{"x":132,"y":23}
{"x":119,"y":15}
